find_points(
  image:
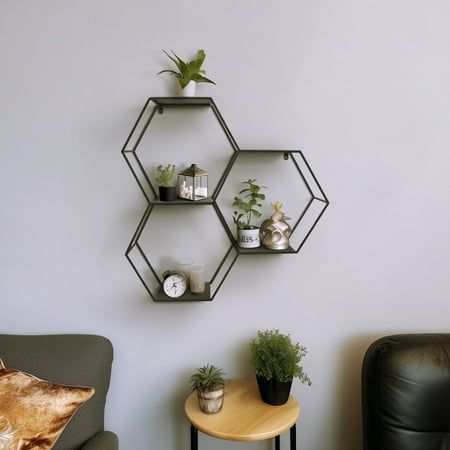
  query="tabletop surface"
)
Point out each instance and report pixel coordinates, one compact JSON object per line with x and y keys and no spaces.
{"x":244,"y":416}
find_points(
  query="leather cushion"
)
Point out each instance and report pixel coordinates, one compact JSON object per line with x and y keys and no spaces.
{"x":406,"y":392}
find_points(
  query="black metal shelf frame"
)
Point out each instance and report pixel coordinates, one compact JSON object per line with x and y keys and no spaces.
{"x":136,"y":254}
{"x":148,"y":275}
{"x":316,"y":197}
{"x":156,"y":105}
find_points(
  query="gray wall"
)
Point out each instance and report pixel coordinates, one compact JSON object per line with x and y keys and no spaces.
{"x":361,"y":86}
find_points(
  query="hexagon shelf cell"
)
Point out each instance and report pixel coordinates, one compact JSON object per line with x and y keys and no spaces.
{"x":287,"y":178}
{"x":196,"y":232}
{"x":180,"y":131}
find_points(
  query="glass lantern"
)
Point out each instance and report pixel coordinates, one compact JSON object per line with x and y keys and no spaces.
{"x":193,"y":183}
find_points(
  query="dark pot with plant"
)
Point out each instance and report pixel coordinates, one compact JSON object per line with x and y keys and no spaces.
{"x":208,"y":382}
{"x":189,"y":73}
{"x":276,"y":360}
{"x":165,"y":182}
{"x":247,"y":203}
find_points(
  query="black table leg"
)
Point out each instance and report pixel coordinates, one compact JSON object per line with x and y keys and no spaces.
{"x":277,"y":442}
{"x":194,"y":438}
{"x":293,"y":437}
{"x":292,"y":432}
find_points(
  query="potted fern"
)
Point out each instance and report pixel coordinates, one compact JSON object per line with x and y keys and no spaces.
{"x":189,"y":73}
{"x":247,"y":203}
{"x":276,"y":360}
{"x":165,"y":182}
{"x":208,"y":382}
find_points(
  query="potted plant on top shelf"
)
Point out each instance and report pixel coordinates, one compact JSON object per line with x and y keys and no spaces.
{"x":276,"y":360}
{"x":208,"y":382}
{"x":247,"y":202}
{"x":165,"y":182}
{"x":189,"y":73}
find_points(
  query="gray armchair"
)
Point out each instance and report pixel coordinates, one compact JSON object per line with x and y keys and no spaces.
{"x":83,"y":360}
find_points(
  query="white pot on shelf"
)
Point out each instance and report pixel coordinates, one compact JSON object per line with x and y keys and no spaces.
{"x":189,"y":90}
{"x":248,"y":238}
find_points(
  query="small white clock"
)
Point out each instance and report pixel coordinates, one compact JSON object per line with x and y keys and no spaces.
{"x":174,"y":284}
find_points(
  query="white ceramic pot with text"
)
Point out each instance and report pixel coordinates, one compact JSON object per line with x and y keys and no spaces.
{"x":248,"y":238}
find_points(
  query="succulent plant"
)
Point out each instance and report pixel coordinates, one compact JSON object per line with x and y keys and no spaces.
{"x":165,"y":177}
{"x":207,"y":378}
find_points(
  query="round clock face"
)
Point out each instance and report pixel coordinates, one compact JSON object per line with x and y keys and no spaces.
{"x":175,"y":285}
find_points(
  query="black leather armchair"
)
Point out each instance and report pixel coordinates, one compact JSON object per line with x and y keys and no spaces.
{"x":83,"y":360}
{"x":406,"y":393}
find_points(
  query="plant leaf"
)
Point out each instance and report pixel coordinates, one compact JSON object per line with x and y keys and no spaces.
{"x":201,"y":55}
{"x":180,"y":63}
{"x":173,"y":60}
{"x":172,"y":72}
{"x":202,"y":79}
{"x":184,"y":81}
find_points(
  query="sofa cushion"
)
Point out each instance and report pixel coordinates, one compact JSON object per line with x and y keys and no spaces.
{"x":34,"y":412}
{"x":81,"y":360}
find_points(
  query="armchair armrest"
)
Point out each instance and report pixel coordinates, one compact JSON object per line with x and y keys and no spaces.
{"x":105,"y":440}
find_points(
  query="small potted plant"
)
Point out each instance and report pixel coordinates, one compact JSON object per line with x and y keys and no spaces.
{"x":208,"y":382}
{"x":189,"y":73}
{"x":165,"y":182}
{"x":276,"y":360}
{"x":247,"y":202}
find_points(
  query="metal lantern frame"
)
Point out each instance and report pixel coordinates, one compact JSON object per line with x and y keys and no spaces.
{"x":193,"y":184}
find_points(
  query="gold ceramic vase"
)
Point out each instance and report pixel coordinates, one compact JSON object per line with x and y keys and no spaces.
{"x":275,"y":231}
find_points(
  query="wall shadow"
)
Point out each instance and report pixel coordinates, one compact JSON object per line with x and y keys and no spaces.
{"x":348,"y":417}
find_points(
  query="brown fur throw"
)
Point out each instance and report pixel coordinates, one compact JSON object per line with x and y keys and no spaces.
{"x":33,"y":412}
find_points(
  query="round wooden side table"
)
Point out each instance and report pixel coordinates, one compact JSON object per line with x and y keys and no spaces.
{"x":244,"y":416}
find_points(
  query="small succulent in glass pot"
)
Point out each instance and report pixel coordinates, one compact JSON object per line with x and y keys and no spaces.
{"x":208,"y":382}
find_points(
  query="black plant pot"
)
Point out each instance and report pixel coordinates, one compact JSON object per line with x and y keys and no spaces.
{"x":274,"y":392}
{"x":167,"y":194}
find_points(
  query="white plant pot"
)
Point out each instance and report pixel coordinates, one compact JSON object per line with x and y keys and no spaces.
{"x":189,"y":90}
{"x":248,"y":238}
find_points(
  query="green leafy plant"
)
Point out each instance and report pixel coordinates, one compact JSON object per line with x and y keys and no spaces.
{"x":274,"y":355}
{"x":166,"y":174}
{"x":247,"y":202}
{"x":207,"y":378}
{"x":188,"y":71}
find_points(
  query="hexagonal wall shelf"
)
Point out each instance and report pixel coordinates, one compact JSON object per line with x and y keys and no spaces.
{"x":297,"y":178}
{"x":156,"y":107}
{"x":151,"y":277}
